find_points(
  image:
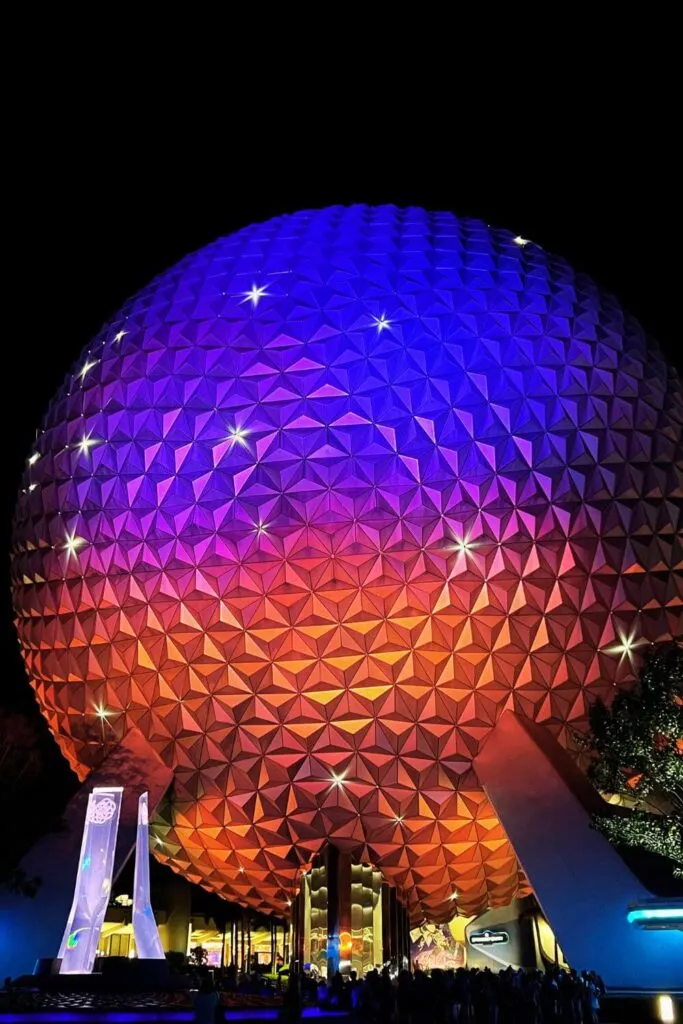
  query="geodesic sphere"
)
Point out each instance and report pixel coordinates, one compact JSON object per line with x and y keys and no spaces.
{"x":322,"y":502}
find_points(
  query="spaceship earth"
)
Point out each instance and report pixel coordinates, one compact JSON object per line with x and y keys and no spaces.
{"x":321,"y":503}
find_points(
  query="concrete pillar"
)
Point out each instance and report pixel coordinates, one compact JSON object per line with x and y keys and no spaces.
{"x":344,"y":904}
{"x":387,"y":950}
{"x":584,"y":887}
{"x":338,"y":910}
{"x":332,"y":865}
{"x":395,"y":935}
{"x":299,"y":927}
{"x":179,"y":913}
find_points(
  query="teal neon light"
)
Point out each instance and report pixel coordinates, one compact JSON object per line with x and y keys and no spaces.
{"x":655,"y":914}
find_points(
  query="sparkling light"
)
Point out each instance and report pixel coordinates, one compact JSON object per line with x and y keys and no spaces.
{"x":521,"y":242}
{"x":32,"y":487}
{"x":120,"y":336}
{"x":464,"y":545}
{"x":32,"y":459}
{"x":86,"y":443}
{"x":382,"y":323}
{"x":238,"y":435}
{"x":86,"y":368}
{"x":72,"y":544}
{"x":103,"y":714}
{"x":337,"y":779}
{"x":626,"y":645}
{"x":255,"y":294}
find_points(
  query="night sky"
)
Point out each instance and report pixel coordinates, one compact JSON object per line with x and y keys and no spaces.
{"x":115,"y":207}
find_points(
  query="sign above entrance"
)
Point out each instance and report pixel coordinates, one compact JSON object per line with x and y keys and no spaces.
{"x":488,"y":938}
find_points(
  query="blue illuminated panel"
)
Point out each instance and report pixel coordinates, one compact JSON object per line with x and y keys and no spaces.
{"x":660,"y":915}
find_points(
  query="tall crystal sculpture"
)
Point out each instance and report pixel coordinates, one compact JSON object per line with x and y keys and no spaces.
{"x":147,"y":941}
{"x":93,"y":881}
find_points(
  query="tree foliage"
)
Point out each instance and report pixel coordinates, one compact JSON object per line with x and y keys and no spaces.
{"x":19,"y":882}
{"x":637,"y":747}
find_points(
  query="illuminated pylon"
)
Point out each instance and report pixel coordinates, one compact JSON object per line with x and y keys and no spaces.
{"x":147,"y":941}
{"x":93,"y":881}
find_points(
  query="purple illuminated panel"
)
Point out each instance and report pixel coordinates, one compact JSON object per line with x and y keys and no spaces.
{"x":93,"y":881}
{"x":147,"y":941}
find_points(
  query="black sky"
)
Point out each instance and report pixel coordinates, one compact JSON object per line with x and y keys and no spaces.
{"x":110,"y":195}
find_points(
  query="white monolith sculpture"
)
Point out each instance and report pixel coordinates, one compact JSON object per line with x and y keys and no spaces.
{"x":147,"y":941}
{"x":93,"y":881}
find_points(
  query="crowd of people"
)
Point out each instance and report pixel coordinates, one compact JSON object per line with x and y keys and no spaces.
{"x":467,"y":997}
{"x":463,"y":996}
